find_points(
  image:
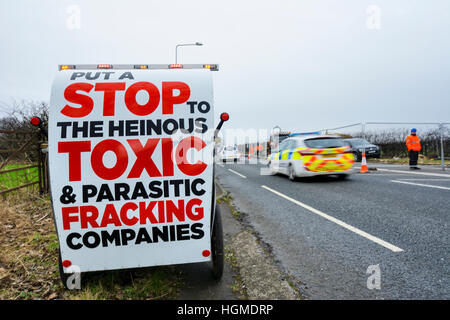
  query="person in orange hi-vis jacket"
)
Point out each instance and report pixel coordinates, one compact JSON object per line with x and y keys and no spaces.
{"x":413,"y":145}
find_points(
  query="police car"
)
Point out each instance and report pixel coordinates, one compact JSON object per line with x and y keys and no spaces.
{"x":303,"y":155}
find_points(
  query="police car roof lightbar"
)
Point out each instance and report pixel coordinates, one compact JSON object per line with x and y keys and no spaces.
{"x":212,"y":67}
{"x":303,"y":133}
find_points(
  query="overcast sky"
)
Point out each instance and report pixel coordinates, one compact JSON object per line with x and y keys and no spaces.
{"x":302,"y":65}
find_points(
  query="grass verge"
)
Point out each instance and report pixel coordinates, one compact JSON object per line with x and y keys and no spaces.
{"x":238,"y":285}
{"x":29,"y":256}
{"x":227,"y":199}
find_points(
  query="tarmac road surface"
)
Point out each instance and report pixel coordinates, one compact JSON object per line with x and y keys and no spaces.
{"x":381,"y":235}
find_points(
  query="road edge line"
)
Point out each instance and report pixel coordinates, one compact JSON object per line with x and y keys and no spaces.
{"x":237,"y":173}
{"x":418,"y":173}
{"x":338,"y":222}
{"x":421,"y":184}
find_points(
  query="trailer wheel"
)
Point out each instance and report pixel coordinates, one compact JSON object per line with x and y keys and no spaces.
{"x":217,"y":246}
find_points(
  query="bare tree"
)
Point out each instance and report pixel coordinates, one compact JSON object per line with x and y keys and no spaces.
{"x":15,"y":117}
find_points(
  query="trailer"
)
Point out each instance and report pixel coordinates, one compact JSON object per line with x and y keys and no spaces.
{"x":131,"y":165}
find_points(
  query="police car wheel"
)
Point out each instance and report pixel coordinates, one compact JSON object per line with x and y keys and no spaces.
{"x":217,"y":246}
{"x":271,"y":169}
{"x":291,"y":173}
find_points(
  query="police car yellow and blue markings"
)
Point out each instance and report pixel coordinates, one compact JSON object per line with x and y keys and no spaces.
{"x":317,"y":164}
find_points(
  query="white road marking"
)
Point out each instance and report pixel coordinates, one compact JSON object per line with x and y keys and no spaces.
{"x":374,"y":174}
{"x":379,"y":165}
{"x":419,"y":173}
{"x":425,"y":179}
{"x":421,"y":185}
{"x":235,"y":172}
{"x":339,"y":222}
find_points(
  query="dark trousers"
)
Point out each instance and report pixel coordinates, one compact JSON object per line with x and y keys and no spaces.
{"x":413,"y":156}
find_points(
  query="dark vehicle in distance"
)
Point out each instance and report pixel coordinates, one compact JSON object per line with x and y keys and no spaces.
{"x":359,"y":146}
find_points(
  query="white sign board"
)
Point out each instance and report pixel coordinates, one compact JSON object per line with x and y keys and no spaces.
{"x":130,"y":160}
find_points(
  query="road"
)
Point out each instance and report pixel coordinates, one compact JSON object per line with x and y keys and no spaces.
{"x":381,"y":235}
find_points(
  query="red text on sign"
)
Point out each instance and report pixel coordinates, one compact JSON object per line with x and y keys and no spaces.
{"x":78,"y":93}
{"x":143,"y":162}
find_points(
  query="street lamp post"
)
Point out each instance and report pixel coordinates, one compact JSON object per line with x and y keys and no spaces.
{"x":278,"y":129}
{"x":276,"y":141}
{"x":184,"y":45}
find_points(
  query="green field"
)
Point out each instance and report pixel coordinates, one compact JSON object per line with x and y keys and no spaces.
{"x":16,"y":178}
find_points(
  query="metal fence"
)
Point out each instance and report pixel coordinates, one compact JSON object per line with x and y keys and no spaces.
{"x":435,"y":137}
{"x":22,"y":162}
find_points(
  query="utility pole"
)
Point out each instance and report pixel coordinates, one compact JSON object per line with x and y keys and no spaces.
{"x":441,"y":127}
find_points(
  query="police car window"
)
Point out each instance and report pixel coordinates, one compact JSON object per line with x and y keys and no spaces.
{"x":284,"y":145}
{"x":321,"y":143}
{"x":296,"y":144}
{"x":291,"y":144}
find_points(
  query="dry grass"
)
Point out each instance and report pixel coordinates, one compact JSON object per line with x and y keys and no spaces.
{"x":29,"y":256}
{"x":28,"y":242}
